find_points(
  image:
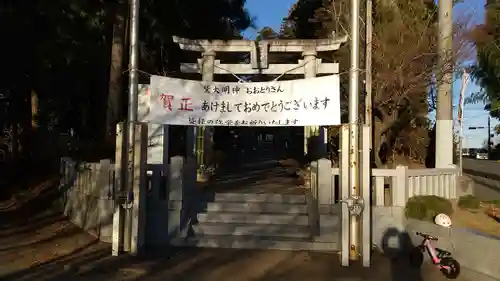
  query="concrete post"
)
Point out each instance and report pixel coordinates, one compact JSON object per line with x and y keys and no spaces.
{"x":326,"y":188}
{"x":345,"y":190}
{"x":444,"y":111}
{"x":131,"y":239}
{"x":175,"y":193}
{"x":139,"y":189}
{"x":118,"y":215}
{"x":366,"y":193}
{"x":399,"y":192}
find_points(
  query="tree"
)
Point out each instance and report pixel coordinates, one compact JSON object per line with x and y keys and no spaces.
{"x":404,"y":67}
{"x":61,"y":50}
{"x":487,"y":68}
{"x":114,"y":110}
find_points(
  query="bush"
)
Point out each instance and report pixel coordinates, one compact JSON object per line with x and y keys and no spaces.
{"x":426,"y":207}
{"x":468,"y":202}
{"x":495,"y":202}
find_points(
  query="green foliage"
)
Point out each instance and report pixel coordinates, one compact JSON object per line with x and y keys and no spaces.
{"x":267,"y":33}
{"x":487,"y":68}
{"x":404,"y":54}
{"x":61,"y":50}
{"x":469,"y":202}
{"x":426,"y":207}
{"x":495,"y":202}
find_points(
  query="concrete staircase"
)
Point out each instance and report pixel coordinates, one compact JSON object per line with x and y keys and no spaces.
{"x":255,"y":221}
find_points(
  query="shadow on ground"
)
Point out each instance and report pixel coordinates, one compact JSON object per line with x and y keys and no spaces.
{"x":396,"y":246}
{"x":91,"y":260}
{"x":218,"y":265}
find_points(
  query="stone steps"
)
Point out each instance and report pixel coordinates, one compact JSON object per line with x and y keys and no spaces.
{"x":245,"y":207}
{"x":256,"y":218}
{"x":259,"y":221}
{"x":260,"y":198}
{"x":252,"y":221}
{"x":254,"y":242}
{"x":252,"y":229}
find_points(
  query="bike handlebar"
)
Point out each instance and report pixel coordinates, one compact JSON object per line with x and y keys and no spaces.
{"x":427,"y":236}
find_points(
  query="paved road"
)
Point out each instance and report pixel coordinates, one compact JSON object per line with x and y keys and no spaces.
{"x":186,"y":264}
{"x":484,"y":188}
{"x":481,"y":166}
{"x":486,"y":177}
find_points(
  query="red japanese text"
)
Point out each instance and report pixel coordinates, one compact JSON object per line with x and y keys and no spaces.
{"x":186,"y":104}
{"x":167,"y":101}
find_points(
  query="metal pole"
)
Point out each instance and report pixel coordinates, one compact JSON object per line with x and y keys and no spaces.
{"x":368,"y":64}
{"x":129,"y":139}
{"x":134,"y":61}
{"x":465,"y":80}
{"x":366,"y":142}
{"x":354,"y":122}
{"x":444,"y":112}
{"x":489,"y":136}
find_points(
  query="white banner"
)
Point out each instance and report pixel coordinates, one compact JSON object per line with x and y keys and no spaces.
{"x":303,"y":102}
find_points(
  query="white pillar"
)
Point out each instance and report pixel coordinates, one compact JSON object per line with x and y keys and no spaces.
{"x":119,"y":212}
{"x":444,"y":111}
{"x":345,"y":191}
{"x":138,"y":226}
{"x":365,"y":183}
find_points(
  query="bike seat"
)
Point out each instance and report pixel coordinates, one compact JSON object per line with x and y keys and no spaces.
{"x":442,"y":252}
{"x":427,"y":236}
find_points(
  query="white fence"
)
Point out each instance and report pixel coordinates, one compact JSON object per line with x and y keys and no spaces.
{"x":393,"y":187}
{"x":390,"y":187}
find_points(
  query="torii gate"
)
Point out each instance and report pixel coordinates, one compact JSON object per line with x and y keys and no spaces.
{"x":131,"y":190}
{"x":310,"y":66}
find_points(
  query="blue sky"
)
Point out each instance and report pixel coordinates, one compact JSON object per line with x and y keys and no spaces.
{"x":268,"y":13}
{"x":271,"y":12}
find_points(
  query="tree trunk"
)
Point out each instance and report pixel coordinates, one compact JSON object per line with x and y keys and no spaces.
{"x":378,"y":128}
{"x":114,"y":104}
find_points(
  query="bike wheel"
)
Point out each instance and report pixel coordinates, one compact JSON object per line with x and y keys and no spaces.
{"x":450,"y":268}
{"x":416,"y":257}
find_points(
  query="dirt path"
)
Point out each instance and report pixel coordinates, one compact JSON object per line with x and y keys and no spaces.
{"x":33,"y":233}
{"x":37,"y":243}
{"x":46,"y":238}
{"x":49,"y":248}
{"x":189,"y":264}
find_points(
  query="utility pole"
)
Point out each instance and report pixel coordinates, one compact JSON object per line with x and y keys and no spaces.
{"x":129,"y":130}
{"x":465,"y":81}
{"x":489,"y":136}
{"x":368,"y":64}
{"x":365,"y":178}
{"x":354,"y":166}
{"x":444,"y":117}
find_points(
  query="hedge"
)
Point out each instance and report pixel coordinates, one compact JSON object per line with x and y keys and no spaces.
{"x":426,"y":207}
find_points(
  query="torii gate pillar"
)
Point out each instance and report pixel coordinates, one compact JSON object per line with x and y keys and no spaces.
{"x":203,"y":146}
{"x":313,"y":133}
